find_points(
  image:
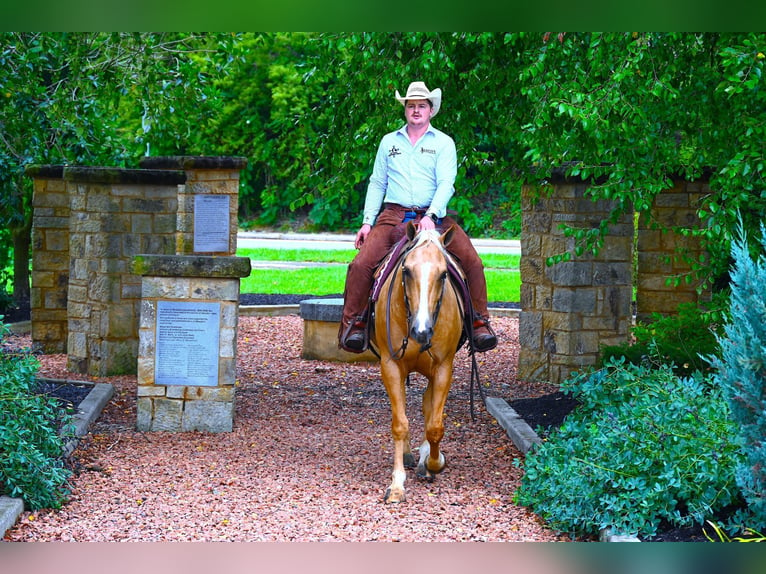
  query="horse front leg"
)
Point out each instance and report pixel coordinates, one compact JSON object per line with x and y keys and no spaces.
{"x":400,"y":432}
{"x":432,"y":460}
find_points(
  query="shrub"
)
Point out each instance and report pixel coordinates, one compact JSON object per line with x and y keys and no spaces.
{"x":682,"y":341}
{"x":644,"y":446}
{"x":742,"y":373}
{"x":32,"y":433}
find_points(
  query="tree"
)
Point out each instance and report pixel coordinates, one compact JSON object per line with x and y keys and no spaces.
{"x":624,"y":110}
{"x":630,"y":110}
{"x":98,"y":99}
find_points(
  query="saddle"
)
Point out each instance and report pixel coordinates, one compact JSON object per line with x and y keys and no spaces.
{"x":386,"y":267}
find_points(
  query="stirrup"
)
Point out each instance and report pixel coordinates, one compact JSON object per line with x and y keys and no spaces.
{"x":357,"y":326}
{"x":489,"y":341}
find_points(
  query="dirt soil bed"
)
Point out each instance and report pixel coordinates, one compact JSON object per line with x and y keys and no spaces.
{"x":308,"y":460}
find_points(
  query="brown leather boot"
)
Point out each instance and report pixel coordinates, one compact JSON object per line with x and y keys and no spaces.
{"x":354,"y":338}
{"x":484,"y":337}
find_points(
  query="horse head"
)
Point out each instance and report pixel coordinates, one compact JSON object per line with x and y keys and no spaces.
{"x":424,"y":278}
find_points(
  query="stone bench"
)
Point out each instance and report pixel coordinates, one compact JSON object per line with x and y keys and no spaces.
{"x":321,"y":321}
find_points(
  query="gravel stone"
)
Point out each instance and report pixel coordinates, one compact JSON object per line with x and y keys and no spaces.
{"x":308,"y":459}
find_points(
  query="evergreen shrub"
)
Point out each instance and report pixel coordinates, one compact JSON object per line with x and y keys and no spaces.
{"x":643,"y":446}
{"x":33,"y":431}
{"x":742,"y":373}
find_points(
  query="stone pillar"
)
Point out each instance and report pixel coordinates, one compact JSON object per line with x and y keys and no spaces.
{"x":50,"y":258}
{"x":210,"y":181}
{"x":570,"y":309}
{"x":115,"y":215}
{"x":187,"y":359}
{"x":664,"y":254}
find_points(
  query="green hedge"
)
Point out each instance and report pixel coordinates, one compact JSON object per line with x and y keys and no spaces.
{"x":33,"y":432}
{"x":644,"y":446}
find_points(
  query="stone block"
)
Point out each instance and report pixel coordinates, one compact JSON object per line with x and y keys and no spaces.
{"x":122,"y":320}
{"x":227,"y":343}
{"x":320,"y":342}
{"x":533,"y":365}
{"x":150,"y":391}
{"x":527,"y":296}
{"x":166,"y":288}
{"x":553,"y":321}
{"x":530,"y":329}
{"x":537,"y":222}
{"x":208,"y":394}
{"x":571,"y":273}
{"x":148,"y":313}
{"x":208,"y":416}
{"x":144,"y":414}
{"x":227,"y":370}
{"x":145,"y":370}
{"x":612,"y":273}
{"x":119,"y":357}
{"x":168,"y":415}
{"x":532,"y":269}
{"x":582,"y":300}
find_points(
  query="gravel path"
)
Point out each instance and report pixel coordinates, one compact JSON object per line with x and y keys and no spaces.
{"x":308,"y":460}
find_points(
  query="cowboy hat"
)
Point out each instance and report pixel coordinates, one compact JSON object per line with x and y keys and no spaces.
{"x":418,"y":91}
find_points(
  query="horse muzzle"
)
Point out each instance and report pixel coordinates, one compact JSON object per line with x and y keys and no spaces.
{"x":422,"y":332}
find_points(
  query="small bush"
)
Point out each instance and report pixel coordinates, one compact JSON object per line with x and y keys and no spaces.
{"x":682,"y":341}
{"x":32,"y":465}
{"x":644,"y":446}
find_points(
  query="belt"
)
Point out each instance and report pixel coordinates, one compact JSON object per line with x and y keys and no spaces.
{"x":407,"y":208}
{"x":411,"y":213}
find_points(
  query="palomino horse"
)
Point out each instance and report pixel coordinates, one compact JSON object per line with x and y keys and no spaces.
{"x":417,"y":327}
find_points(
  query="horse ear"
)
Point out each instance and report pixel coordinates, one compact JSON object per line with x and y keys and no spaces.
{"x":411,"y":231}
{"x":448,"y":235}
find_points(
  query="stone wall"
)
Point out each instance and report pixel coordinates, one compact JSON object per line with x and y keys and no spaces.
{"x":115,"y":215}
{"x":570,"y":309}
{"x":50,"y":258}
{"x":658,"y":255}
{"x":215,"y":177}
{"x":185,"y":406}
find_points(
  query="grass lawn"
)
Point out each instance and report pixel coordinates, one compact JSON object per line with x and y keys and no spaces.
{"x":502,"y":272}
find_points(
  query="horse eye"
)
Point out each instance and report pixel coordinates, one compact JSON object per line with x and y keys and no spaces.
{"x":406,"y":271}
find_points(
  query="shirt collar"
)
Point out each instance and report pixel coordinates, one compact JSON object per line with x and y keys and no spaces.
{"x":403,"y":130}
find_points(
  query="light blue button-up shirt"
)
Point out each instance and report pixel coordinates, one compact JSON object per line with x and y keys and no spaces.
{"x":420,"y":175}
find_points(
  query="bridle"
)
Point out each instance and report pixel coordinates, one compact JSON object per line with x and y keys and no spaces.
{"x":467,"y":324}
{"x":396,"y":355}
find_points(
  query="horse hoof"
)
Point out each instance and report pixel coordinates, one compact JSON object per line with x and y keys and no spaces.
{"x":424,"y":474}
{"x":409,"y":460}
{"x":394,"y":497}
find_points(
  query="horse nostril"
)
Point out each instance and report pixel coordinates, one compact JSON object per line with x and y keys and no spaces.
{"x":422,"y":335}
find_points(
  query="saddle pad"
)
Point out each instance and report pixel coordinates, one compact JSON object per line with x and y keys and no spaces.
{"x":385,"y":268}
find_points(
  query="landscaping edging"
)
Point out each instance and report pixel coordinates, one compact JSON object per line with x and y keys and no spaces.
{"x":88,"y":411}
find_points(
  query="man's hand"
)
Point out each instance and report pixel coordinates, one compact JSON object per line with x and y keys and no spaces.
{"x":361,"y":235}
{"x":426,"y":223}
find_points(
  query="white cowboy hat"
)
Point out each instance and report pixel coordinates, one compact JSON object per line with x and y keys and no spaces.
{"x":418,"y":91}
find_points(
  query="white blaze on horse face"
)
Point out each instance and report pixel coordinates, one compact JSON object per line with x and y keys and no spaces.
{"x":422,"y":321}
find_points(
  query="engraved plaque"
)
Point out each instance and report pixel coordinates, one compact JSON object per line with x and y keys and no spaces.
{"x":211,"y":223}
{"x":187,"y":343}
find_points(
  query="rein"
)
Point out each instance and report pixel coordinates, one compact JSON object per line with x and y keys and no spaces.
{"x":464,"y":301}
{"x":400,"y":353}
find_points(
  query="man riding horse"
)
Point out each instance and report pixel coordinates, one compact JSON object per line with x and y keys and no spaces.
{"x":412,"y":179}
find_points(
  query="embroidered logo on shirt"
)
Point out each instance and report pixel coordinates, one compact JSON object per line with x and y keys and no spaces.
{"x":394,"y":151}
{"x":431,"y":151}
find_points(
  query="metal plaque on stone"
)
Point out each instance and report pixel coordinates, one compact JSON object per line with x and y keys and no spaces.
{"x":211,"y":223}
{"x":187,"y":343}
